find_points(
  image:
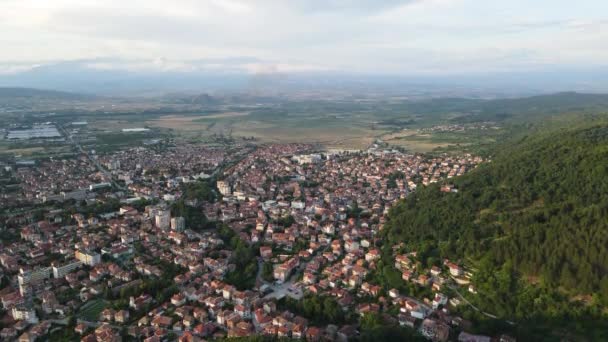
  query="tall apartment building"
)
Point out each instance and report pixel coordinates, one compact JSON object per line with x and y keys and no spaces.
{"x":178,"y":224}
{"x":33,"y":276}
{"x":224,"y":188}
{"x":30,"y":279}
{"x":163,"y":219}
{"x":62,"y":270}
{"x":88,"y":257}
{"x":24,"y":313}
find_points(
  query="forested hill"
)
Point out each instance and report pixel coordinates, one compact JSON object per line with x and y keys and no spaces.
{"x":540,"y":208}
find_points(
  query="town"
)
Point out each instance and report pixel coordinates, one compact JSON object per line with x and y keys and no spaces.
{"x":190,"y":242}
{"x":304,"y":170}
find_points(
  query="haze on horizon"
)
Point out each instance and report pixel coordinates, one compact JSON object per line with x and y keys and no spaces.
{"x":393,"y":37}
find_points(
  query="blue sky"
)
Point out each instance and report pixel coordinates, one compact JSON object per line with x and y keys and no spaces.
{"x":369,"y":36}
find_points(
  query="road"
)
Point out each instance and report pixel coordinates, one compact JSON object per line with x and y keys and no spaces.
{"x":287,"y":288}
{"x":291,"y":288}
{"x":95,"y":162}
{"x":455,"y":289}
{"x":119,"y":327}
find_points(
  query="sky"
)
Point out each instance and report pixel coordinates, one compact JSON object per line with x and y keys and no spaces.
{"x":363,"y":36}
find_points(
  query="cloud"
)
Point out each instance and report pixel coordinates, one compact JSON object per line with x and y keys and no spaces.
{"x":320,"y":6}
{"x":392,"y":36}
{"x":16,"y":68}
{"x":235,"y":65}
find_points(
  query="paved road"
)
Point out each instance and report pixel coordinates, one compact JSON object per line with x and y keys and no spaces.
{"x":93,"y":160}
{"x":455,"y":289}
{"x":119,"y":327}
{"x":291,"y":288}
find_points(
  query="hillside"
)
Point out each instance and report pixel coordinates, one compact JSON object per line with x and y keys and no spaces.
{"x":514,"y":109}
{"x":537,"y":212}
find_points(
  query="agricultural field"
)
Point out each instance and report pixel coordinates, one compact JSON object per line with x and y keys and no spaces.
{"x":32,"y":149}
{"x":328,"y":130}
{"x":433,"y":125}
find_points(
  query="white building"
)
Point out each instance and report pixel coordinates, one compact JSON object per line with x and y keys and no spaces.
{"x":33,"y":276}
{"x":178,"y":224}
{"x":298,"y":205}
{"x":61,"y":271}
{"x":23,"y":313}
{"x":88,"y":257}
{"x":440,"y":299}
{"x":98,"y":186}
{"x":307,"y":158}
{"x":163,"y":219}
{"x":224,"y":188}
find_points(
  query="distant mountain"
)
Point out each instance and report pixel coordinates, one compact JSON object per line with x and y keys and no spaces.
{"x":546,"y":104}
{"x":80,"y":76}
{"x":513,"y":109}
{"x":31,"y":93}
{"x":119,"y":77}
{"x":200,"y":99}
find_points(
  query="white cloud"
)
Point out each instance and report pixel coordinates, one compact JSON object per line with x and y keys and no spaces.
{"x":363,"y":35}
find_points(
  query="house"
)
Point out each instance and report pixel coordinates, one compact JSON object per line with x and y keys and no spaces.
{"x":189,"y":337}
{"x":435,"y":330}
{"x":298,"y":331}
{"x":372,"y":255}
{"x":107,"y":315}
{"x":466,"y":337}
{"x":439,"y":300}
{"x":309,"y":278}
{"x":283,"y":271}
{"x":26,"y":337}
{"x":313,"y":334}
{"x":266,"y":252}
{"x":162,"y":322}
{"x":139,"y":302}
{"x":232,"y":320}
{"x":455,"y":270}
{"x":8,"y":334}
{"x":402,"y":262}
{"x":178,"y":299}
{"x":419,"y":311}
{"x":472,"y":289}
{"x":144,"y":321}
{"x":423,"y":280}
{"x":351,"y":246}
{"x":437,"y":286}
{"x":283,"y":332}
{"x":406,"y":320}
{"x":122,"y":316}
{"x":242,"y":311}
{"x":393,"y":293}
{"x":227,"y":291}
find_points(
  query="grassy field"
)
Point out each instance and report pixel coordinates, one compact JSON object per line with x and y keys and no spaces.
{"x":91,"y":310}
{"x":332,"y":131}
{"x":32,"y":150}
{"x":467,"y":141}
{"x":328,"y":130}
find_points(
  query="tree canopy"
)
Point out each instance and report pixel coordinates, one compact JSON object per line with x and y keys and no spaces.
{"x":537,"y":212}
